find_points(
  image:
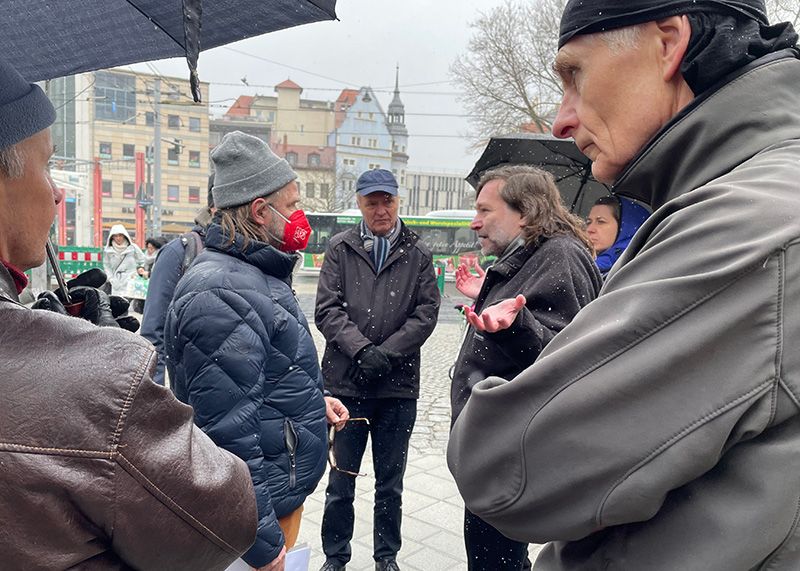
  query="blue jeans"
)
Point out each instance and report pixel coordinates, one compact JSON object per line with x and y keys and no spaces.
{"x":390,"y":423}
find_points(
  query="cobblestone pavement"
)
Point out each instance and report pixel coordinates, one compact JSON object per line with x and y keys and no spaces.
{"x":433,"y":512}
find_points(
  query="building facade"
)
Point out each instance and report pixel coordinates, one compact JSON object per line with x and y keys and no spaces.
{"x":436,"y":190}
{"x":109,"y":116}
{"x":296,"y":129}
{"x":368,"y":138}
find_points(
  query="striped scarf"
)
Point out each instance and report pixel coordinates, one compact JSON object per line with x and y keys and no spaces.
{"x":379,"y":246}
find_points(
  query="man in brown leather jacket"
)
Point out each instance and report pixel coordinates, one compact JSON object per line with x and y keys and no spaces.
{"x":101,"y":468}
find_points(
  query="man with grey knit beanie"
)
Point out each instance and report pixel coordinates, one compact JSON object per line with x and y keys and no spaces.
{"x":377,"y":303}
{"x":660,"y":430}
{"x":238,"y":347}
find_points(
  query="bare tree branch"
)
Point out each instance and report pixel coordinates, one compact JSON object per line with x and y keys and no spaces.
{"x":505,"y":76}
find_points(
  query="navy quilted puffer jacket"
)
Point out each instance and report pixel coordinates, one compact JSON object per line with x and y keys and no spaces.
{"x":240,"y":353}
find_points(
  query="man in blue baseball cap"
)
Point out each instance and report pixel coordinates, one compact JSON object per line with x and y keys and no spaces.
{"x":660,"y":430}
{"x":377,"y":303}
{"x":101,"y":468}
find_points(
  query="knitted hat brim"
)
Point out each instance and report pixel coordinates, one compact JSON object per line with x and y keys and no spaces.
{"x":24,"y":117}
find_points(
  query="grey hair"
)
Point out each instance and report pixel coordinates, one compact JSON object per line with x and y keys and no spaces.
{"x":12,"y":163}
{"x":622,"y":39}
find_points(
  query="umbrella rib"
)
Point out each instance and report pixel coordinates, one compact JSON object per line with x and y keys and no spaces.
{"x":328,"y":12}
{"x":159,"y":26}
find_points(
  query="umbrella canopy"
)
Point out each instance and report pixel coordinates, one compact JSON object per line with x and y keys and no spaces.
{"x":43,"y":40}
{"x":571,"y":169}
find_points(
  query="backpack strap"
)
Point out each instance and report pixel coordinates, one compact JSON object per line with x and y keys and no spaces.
{"x":192,"y":245}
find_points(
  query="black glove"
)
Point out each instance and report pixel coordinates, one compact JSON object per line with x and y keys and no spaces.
{"x":373,"y":363}
{"x":98,"y":307}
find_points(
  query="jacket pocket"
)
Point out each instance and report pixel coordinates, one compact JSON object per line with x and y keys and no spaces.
{"x":290,"y":436}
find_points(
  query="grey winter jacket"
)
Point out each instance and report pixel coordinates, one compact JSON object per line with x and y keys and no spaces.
{"x":660,"y":429}
{"x":558,"y":277}
{"x":396,"y":309}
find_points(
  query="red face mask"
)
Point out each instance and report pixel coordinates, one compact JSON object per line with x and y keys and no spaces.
{"x":296,"y":233}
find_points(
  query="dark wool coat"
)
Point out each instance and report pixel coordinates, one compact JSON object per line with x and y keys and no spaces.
{"x":557,"y":277}
{"x":396,"y":309}
{"x":240,"y":352}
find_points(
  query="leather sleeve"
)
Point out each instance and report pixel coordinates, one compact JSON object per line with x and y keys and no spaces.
{"x":181,"y":502}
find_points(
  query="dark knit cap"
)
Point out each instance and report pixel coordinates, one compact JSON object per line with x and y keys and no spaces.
{"x":591,"y":16}
{"x":24,"y":108}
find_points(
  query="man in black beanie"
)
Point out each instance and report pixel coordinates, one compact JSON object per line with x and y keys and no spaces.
{"x":660,"y":430}
{"x":101,"y":468}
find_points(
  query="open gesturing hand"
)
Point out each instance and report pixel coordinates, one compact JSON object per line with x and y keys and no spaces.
{"x":468,"y":283}
{"x":496,"y":317}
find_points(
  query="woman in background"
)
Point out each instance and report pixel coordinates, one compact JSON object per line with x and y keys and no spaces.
{"x":611,"y":224}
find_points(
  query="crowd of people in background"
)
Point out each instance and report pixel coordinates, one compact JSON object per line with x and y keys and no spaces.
{"x":626,"y":389}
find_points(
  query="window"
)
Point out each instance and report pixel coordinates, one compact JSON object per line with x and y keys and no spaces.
{"x":128,"y":151}
{"x":172,"y":156}
{"x":194,"y":124}
{"x":374,"y":166}
{"x":107,"y":187}
{"x":128,"y":190}
{"x":194,"y":194}
{"x":310,"y":190}
{"x":313,"y":160}
{"x":105,"y":150}
{"x":349,"y":162}
{"x":149,"y":153}
{"x":373,"y":143}
{"x":173,"y":193}
{"x":355,"y":141}
{"x":291,"y":158}
{"x":371,"y":115}
{"x":194,"y":159}
{"x":323,"y":190}
{"x":173,"y":121}
{"x":114,"y":96}
{"x":149,"y":118}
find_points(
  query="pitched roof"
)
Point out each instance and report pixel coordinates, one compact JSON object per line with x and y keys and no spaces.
{"x":288,"y":84}
{"x":241,"y":107}
{"x":346,"y":98}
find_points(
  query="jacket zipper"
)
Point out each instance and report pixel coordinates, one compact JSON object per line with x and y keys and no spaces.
{"x":291,"y":446}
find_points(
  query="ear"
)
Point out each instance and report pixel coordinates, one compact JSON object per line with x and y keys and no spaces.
{"x":260,"y":212}
{"x":673,"y":34}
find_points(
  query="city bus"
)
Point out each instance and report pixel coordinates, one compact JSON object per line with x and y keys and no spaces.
{"x":445,"y":232}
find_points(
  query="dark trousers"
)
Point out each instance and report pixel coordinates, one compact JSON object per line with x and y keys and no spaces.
{"x":490,"y":550}
{"x":390,"y":423}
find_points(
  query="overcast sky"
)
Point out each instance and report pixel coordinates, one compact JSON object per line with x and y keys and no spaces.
{"x":372,"y":36}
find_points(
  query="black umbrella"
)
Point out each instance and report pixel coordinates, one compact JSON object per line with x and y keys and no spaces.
{"x":571,"y":169}
{"x":43,"y":40}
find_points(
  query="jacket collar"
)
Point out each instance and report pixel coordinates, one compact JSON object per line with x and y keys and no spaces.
{"x":260,"y":254}
{"x":8,"y":289}
{"x":513,"y":262}
{"x":405,"y":241}
{"x":702,"y":143}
